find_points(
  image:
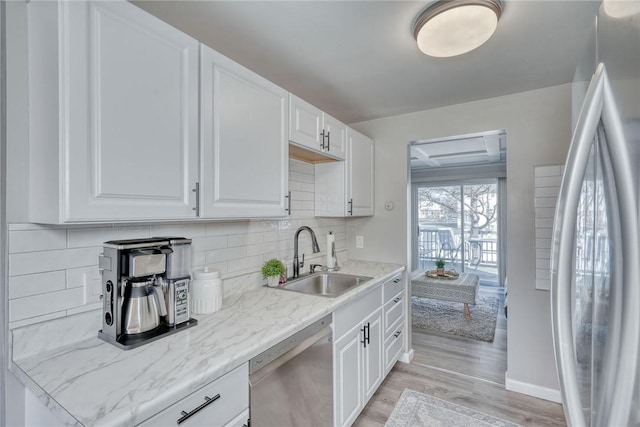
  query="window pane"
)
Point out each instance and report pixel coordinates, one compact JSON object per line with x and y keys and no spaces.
{"x":481,"y":228}
{"x":439,"y":222}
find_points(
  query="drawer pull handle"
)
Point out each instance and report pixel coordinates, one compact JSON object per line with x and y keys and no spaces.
{"x":397,"y":300}
{"x":207,"y":401}
{"x":396,"y":280}
{"x":397,"y":334}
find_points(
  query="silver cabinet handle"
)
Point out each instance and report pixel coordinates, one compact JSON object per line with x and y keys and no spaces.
{"x":197,"y":191}
{"x":396,"y":280}
{"x":207,"y":401}
{"x":288,"y":208}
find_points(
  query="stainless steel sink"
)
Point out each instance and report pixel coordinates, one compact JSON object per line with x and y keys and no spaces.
{"x":325,"y":284}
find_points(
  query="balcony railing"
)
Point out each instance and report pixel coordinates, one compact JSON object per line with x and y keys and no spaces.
{"x":441,"y":243}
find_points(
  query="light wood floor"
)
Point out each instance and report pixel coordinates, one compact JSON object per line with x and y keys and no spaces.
{"x":463,"y":371}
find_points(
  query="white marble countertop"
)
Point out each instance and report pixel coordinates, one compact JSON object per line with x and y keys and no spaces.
{"x":92,"y":382}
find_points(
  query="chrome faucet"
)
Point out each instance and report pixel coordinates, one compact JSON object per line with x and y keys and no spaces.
{"x":314,"y":246}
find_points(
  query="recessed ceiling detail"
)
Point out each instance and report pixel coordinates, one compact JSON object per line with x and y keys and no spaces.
{"x":489,"y":147}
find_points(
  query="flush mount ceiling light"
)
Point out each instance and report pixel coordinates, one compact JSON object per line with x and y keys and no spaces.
{"x":453,"y":27}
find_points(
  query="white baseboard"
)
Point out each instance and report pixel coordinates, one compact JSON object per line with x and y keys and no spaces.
{"x":406,"y":357}
{"x":532,"y":389}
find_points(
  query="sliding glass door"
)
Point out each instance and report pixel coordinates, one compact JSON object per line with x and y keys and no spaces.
{"x":458,"y":223}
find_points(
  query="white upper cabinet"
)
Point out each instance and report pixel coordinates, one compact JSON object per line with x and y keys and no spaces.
{"x":360,"y":174}
{"x":347,"y":188}
{"x":244,"y":144}
{"x":335,"y":133}
{"x":311,"y":128}
{"x":305,"y":123}
{"x":113,"y":114}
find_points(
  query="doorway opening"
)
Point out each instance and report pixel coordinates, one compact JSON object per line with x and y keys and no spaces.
{"x":458,"y":204}
{"x":458,"y":214}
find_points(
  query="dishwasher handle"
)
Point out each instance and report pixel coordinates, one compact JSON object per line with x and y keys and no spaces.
{"x":267,"y":369}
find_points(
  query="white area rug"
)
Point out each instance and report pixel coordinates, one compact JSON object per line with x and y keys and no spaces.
{"x":420,"y":410}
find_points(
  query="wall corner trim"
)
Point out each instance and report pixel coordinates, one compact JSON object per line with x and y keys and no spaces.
{"x":407,"y":357}
{"x":534,"y":390}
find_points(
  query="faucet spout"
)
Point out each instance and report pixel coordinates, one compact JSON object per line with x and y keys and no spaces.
{"x":314,"y":247}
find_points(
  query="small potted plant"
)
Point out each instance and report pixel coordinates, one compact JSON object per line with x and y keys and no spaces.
{"x":440,"y":267}
{"x":271,"y":270}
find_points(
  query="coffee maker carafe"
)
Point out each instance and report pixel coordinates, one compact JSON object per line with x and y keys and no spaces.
{"x":145,"y":284}
{"x":143,"y":306}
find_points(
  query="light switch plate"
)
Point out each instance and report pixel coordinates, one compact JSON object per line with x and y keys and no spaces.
{"x":359,"y":242}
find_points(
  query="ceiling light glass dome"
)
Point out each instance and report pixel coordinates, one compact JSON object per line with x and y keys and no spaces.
{"x":453,"y":27}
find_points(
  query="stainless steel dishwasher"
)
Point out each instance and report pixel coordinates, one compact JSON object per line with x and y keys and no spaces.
{"x":292,"y":383}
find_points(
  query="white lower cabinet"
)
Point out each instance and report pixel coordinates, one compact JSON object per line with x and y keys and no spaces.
{"x":369,"y":338}
{"x":348,"y":375}
{"x":223,"y":403}
{"x":372,"y":354}
{"x":357,"y":355}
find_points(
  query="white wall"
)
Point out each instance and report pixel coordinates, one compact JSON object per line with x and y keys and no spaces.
{"x":538,"y":125}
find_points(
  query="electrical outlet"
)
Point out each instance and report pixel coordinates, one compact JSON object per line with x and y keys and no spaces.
{"x":92,"y":288}
{"x":359,"y":242}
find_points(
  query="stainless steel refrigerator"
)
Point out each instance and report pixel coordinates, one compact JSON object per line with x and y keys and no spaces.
{"x":595,"y":266}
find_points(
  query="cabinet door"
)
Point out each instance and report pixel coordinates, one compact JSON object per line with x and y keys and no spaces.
{"x":372,"y":356}
{"x":130,"y":126}
{"x":335,"y":136}
{"x":244,"y":141}
{"x":305,"y":124}
{"x":347,"y":385}
{"x":360,"y":178}
{"x":330,"y":189}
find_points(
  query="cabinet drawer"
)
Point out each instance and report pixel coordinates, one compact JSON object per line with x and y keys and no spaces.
{"x":346,"y":317}
{"x":232,"y":392}
{"x":392,"y":287}
{"x":393,"y":347}
{"x":393,"y":310}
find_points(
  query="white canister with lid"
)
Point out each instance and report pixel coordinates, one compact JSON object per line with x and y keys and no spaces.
{"x":206,"y":291}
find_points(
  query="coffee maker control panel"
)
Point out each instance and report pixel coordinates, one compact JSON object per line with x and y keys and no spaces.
{"x":182,"y":301}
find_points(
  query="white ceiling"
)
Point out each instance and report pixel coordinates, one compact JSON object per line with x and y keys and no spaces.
{"x":357,"y":60}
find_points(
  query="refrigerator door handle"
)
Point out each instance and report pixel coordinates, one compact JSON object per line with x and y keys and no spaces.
{"x":599,"y":105}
